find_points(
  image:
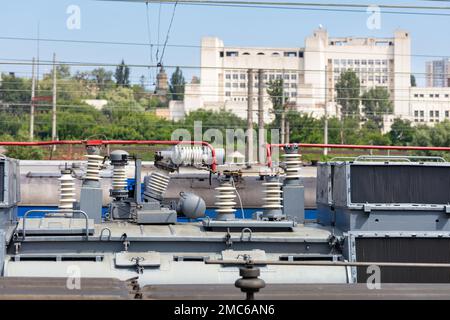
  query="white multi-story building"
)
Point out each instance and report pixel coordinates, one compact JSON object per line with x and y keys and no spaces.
{"x":309,"y":73}
{"x":429,"y":105}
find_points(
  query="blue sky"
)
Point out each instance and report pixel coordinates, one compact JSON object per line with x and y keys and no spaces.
{"x":126,"y":22}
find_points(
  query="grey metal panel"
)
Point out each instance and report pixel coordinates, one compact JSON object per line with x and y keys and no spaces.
{"x":340,"y":185}
{"x":294,"y":202}
{"x":2,"y":251}
{"x":91,"y":202}
{"x":323,"y":187}
{"x":300,"y":292}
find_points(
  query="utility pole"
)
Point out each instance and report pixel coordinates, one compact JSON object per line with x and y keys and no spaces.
{"x":33,"y":94}
{"x":261,"y":135}
{"x":325,"y":128}
{"x":283,"y":115}
{"x":54,"y":101}
{"x":287,"y":138}
{"x":249,"y":145}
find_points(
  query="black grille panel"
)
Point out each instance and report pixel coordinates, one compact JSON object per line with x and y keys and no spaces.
{"x":421,"y":250}
{"x":400,"y":184}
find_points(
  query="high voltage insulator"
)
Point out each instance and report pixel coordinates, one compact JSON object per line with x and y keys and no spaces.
{"x":272,"y":200}
{"x":225,"y":196}
{"x":93,"y":167}
{"x":119,"y":159}
{"x":119,"y":178}
{"x":292,"y":164}
{"x":67,"y":191}
{"x":156,"y":186}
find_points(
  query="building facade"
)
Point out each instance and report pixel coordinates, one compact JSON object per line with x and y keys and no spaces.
{"x":438,"y":73}
{"x":309,"y":73}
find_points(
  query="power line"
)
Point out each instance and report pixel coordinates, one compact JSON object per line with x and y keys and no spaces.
{"x":168,"y":32}
{"x":101,"y":42}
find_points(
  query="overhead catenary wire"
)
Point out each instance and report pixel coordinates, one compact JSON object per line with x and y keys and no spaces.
{"x":174,"y":45}
{"x":309,"y":6}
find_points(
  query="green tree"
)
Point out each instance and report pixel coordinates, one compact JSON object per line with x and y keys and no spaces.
{"x":401,"y":132}
{"x":14,"y":89}
{"x":102,"y":77}
{"x":275,"y":91}
{"x":376,"y":103}
{"x":348,"y":94}
{"x":122,"y":75}
{"x":177,"y":84}
{"x":413,"y":81}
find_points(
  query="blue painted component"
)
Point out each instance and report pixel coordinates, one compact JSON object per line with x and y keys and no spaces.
{"x":310,"y":214}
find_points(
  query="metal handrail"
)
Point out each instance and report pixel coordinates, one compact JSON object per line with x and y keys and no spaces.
{"x":55,"y":211}
{"x":407,"y":158}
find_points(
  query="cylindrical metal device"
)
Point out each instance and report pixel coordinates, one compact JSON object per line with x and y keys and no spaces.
{"x":292,"y":164}
{"x":119,"y":159}
{"x":67,"y":191}
{"x":191,"y":205}
{"x":272,"y":199}
{"x":184,"y":154}
{"x":156,"y":186}
{"x":225,"y":196}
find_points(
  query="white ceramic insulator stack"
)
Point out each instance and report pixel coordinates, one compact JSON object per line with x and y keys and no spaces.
{"x":292,"y":162}
{"x":225,"y":197}
{"x":273,"y":198}
{"x":119,"y":178}
{"x":67,"y":192}
{"x":190,"y":154}
{"x":158,"y":183}
{"x":93,"y":167}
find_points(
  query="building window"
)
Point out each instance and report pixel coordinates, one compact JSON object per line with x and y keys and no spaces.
{"x":416,"y":113}
{"x":260,"y":54}
{"x":293,"y":94}
{"x":242,"y":85}
{"x":232,"y":54}
{"x":227,"y":85}
{"x":293,"y":77}
{"x":242,"y":76}
{"x":290,"y":54}
{"x":364,"y":62}
{"x":275,"y":54}
{"x":221,"y":54}
{"x":246,"y":54}
{"x":336,"y":61}
{"x":446,"y":114}
{"x":436,"y":113}
{"x":293,"y":85}
{"x":235,"y":76}
{"x":421,"y":95}
{"x":431,"y":113}
{"x":422,"y":113}
{"x":431,"y":95}
{"x":370,"y":62}
{"x":286,"y":77}
{"x":227,"y":93}
{"x":228,"y":76}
